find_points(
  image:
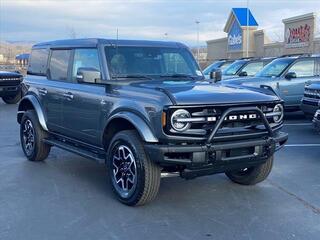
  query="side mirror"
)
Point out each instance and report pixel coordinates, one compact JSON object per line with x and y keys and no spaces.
{"x":88,"y":75}
{"x":216,"y":75}
{"x":243,"y":74}
{"x":290,"y":75}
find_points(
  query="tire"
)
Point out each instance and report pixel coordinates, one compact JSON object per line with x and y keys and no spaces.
{"x":12,"y":99}
{"x":127,"y":160}
{"x":251,"y":175}
{"x":30,"y":128}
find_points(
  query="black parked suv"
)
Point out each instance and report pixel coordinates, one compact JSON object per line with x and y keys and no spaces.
{"x":143,"y":107}
{"x":10,"y":91}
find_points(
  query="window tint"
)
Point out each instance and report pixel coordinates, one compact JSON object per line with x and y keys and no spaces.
{"x":253,"y":68}
{"x":155,"y":61}
{"x":303,"y":68}
{"x":233,"y":68}
{"x":175,"y":63}
{"x":38,"y":62}
{"x":85,"y":58}
{"x":59,"y":64}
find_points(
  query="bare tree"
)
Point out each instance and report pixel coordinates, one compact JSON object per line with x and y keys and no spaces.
{"x":71,"y":32}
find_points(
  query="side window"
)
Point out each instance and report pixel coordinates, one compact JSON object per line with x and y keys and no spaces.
{"x":303,"y":68}
{"x":85,"y":58}
{"x":253,"y":68}
{"x":58,"y":66}
{"x":38,"y":62}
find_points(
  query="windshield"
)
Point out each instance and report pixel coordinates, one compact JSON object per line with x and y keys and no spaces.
{"x":275,"y":68}
{"x":225,"y":65}
{"x":145,"y":62}
{"x":233,"y":68}
{"x":211,"y":67}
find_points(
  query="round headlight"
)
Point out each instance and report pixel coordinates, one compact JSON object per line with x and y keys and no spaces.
{"x":177,"y":125}
{"x":278,"y":110}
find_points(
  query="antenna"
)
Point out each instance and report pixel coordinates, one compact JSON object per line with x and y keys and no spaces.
{"x":117,"y":49}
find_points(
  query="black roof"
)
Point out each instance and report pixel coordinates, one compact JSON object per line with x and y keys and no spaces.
{"x":93,"y":42}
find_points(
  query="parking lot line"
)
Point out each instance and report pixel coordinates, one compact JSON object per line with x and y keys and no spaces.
{"x":303,"y":145}
{"x":297,"y":124}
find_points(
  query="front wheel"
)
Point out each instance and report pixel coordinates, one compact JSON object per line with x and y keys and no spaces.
{"x":12,"y":99}
{"x":134,"y":178}
{"x":251,"y":175}
{"x":32,"y":136}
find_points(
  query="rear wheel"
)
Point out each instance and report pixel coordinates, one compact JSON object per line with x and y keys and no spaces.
{"x":251,"y":175}
{"x":134,"y":178}
{"x":12,"y":99}
{"x":31,"y":137}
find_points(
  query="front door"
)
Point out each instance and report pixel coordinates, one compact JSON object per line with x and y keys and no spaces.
{"x":82,"y":102}
{"x":291,"y":90}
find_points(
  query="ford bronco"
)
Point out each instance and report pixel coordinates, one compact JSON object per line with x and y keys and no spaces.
{"x":10,"y":86}
{"x":144,"y":108}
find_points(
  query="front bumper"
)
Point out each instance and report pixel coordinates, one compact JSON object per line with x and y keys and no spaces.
{"x":195,"y":155}
{"x":309,"y":105}
{"x":9,"y":88}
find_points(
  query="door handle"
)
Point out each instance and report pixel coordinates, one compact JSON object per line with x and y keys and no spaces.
{"x":42,"y":91}
{"x":68,"y":95}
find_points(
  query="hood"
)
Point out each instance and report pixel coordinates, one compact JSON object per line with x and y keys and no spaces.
{"x":226,"y":77}
{"x":314,"y":86}
{"x":4,"y":74}
{"x":250,"y":81}
{"x":204,"y":92}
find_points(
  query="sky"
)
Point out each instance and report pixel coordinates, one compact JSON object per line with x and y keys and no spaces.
{"x":40,"y":20}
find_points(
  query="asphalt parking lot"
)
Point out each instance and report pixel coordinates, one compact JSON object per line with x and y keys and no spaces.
{"x":66,"y":197}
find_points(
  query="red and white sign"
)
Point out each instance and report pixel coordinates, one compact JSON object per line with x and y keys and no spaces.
{"x":298,"y":36}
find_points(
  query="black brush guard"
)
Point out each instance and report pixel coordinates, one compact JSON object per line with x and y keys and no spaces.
{"x":211,"y":157}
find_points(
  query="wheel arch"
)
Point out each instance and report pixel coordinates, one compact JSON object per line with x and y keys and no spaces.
{"x":126,"y":121}
{"x":30,"y":102}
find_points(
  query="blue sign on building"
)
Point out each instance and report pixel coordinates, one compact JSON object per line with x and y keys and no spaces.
{"x":235,"y":37}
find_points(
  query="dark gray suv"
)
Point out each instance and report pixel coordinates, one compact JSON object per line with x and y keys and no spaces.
{"x":143,"y":107}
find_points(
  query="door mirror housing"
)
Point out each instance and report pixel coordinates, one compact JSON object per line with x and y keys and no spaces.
{"x":88,"y":75}
{"x":243,"y":74}
{"x":290,"y":75}
{"x":216,"y":75}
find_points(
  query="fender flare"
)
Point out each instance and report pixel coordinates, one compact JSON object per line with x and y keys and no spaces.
{"x":37,"y":107}
{"x":142,"y":127}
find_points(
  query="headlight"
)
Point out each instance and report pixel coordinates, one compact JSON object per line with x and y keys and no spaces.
{"x":177,"y":120}
{"x":278,"y":113}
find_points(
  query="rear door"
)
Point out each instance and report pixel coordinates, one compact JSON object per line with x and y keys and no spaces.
{"x":83,"y":101}
{"x":58,"y":80}
{"x":292,"y":89}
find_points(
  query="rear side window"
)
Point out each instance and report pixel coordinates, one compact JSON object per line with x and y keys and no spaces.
{"x":38,"y":62}
{"x":303,"y":68}
{"x":59,"y":63}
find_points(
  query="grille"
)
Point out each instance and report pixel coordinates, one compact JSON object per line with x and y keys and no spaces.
{"x":312,"y":93}
{"x":236,"y":123}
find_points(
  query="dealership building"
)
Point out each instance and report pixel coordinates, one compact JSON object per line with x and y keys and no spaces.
{"x":244,"y":39}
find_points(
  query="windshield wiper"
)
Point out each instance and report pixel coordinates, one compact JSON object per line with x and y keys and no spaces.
{"x":178,"y":75}
{"x":136,"y":76}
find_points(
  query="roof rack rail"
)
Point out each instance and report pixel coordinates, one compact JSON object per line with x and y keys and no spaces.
{"x":296,"y":55}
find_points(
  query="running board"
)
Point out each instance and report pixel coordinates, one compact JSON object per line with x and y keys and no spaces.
{"x":95,"y":155}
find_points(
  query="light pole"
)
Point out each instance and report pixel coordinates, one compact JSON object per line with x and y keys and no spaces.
{"x":248,"y":40}
{"x":198,"y":47}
